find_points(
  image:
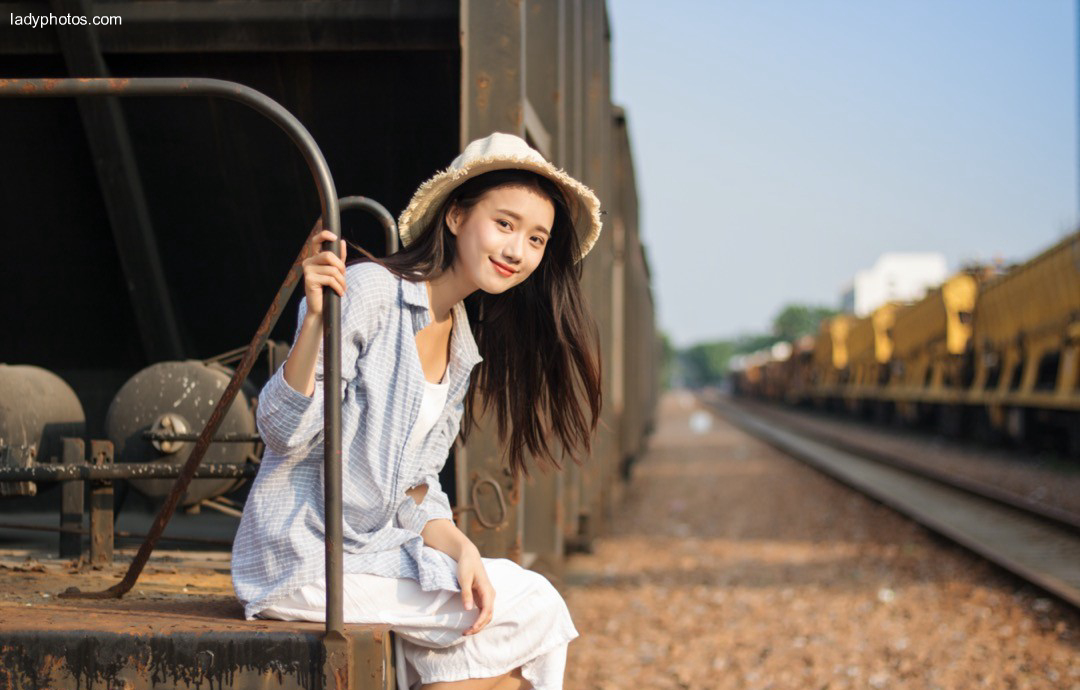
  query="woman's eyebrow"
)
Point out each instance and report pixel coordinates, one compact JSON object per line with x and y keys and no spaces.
{"x":517,"y":217}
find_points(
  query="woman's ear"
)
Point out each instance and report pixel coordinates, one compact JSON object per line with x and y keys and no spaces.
{"x":453,"y":218}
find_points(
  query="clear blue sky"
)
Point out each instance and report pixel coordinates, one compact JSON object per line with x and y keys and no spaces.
{"x":782,"y":145}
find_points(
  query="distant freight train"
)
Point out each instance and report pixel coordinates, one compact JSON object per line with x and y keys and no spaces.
{"x":996,"y":355}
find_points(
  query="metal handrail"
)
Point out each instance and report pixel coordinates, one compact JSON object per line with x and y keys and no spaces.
{"x":261,"y":103}
{"x":376,"y":209}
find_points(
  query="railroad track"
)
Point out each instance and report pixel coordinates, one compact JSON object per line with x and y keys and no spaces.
{"x":1042,"y":546}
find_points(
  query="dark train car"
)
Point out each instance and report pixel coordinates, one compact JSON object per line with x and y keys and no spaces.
{"x":147,"y":235}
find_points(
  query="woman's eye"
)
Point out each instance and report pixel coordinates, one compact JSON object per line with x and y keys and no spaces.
{"x":538,"y":241}
{"x":503,"y":223}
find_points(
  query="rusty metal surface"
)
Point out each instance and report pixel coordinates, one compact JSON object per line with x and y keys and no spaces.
{"x":192,"y":588}
{"x":493,"y":97}
{"x":101,"y":506}
{"x":72,"y":501}
{"x":335,"y":662}
{"x":545,"y":128}
{"x":181,"y":628}
{"x":273,"y":654}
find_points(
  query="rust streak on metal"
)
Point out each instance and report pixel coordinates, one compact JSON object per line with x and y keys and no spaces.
{"x":515,"y":550}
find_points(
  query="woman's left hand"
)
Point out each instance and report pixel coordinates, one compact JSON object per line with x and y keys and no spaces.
{"x":475,"y":586}
{"x":444,"y":535}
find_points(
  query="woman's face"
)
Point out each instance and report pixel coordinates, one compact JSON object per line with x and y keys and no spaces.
{"x":501,"y":239}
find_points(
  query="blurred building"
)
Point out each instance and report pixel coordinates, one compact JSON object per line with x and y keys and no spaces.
{"x":898,"y":276}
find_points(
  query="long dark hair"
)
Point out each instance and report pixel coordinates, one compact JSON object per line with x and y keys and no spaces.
{"x":541,"y":371}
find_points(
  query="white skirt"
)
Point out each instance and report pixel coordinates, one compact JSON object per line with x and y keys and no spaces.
{"x":530,"y":627}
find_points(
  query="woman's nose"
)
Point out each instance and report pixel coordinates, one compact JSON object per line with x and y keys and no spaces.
{"x":514,"y":249}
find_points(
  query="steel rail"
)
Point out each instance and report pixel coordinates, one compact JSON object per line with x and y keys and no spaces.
{"x":1067,"y":519}
{"x":1031,"y":546}
{"x":117,"y":86}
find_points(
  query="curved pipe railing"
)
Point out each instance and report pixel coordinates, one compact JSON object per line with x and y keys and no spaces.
{"x":66,"y":88}
{"x":376,"y":209}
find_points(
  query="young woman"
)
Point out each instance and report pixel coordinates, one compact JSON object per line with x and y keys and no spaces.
{"x":488,"y":278}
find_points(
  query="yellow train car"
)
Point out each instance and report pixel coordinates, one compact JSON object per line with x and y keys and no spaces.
{"x":932,"y":342}
{"x":870,"y":348}
{"x":1027,"y":343}
{"x":830,"y":359}
{"x":997,"y":354}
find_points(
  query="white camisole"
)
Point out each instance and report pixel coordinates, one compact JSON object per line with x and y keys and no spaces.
{"x":431,"y":406}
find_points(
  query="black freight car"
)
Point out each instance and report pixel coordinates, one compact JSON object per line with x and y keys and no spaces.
{"x":153,"y":232}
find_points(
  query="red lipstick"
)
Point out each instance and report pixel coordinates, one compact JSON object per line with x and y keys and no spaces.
{"x":504,"y":270}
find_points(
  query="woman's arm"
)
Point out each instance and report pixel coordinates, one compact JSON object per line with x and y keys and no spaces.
{"x":445,"y":536}
{"x":289,"y":414}
{"x":300,"y":366}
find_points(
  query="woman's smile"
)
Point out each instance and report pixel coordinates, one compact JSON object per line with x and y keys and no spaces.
{"x":503,"y":269}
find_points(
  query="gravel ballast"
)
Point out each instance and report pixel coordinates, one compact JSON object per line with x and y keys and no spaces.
{"x":730,"y":565}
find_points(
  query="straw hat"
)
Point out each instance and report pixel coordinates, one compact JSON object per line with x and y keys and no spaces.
{"x":501,"y":151}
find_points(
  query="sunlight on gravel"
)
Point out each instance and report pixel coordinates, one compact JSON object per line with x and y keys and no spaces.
{"x":731,"y":566}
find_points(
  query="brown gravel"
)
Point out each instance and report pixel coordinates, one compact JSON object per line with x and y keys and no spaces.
{"x":730,"y":565}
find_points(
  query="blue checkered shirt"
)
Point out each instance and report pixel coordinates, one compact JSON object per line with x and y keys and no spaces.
{"x":279,"y":544}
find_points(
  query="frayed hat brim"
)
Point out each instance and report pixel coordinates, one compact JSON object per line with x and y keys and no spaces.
{"x":582,"y":203}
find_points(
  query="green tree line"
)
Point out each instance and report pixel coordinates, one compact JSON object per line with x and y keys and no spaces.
{"x":706,"y":363}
